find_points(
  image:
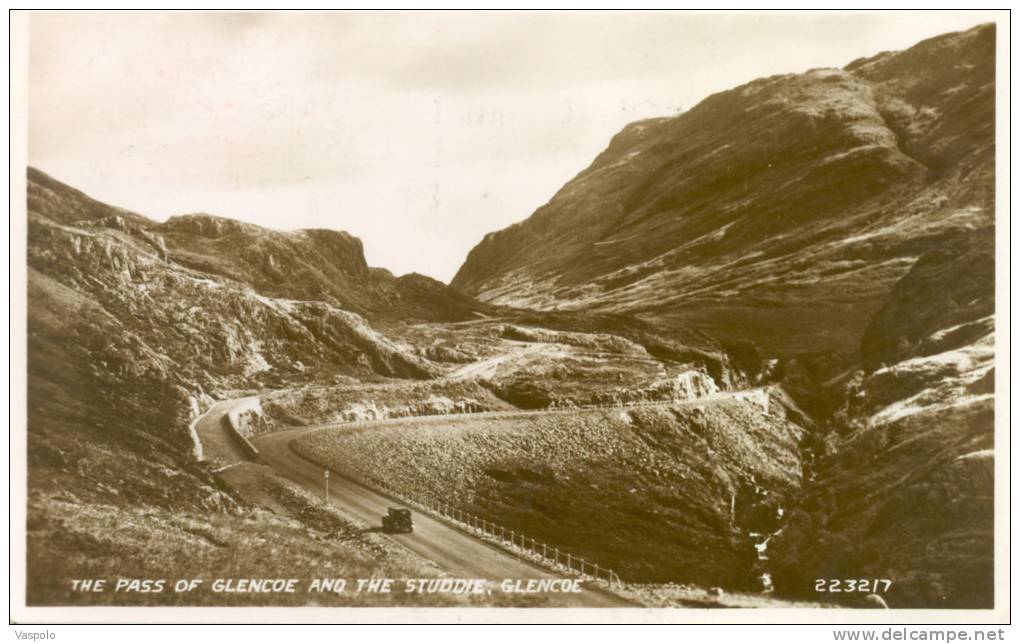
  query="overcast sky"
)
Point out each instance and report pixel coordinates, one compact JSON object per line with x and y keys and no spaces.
{"x":417,"y":132}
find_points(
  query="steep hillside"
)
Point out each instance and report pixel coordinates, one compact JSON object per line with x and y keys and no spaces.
{"x":667,"y":494}
{"x":780,"y":212}
{"x":63,"y":204}
{"x":903,"y":483}
{"x":323,"y":265}
{"x":136,"y":327}
{"x":125,"y":347}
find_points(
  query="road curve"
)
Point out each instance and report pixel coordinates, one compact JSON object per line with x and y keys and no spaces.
{"x":457,"y":553}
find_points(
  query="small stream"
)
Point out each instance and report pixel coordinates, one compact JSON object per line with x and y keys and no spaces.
{"x":761,"y":516}
{"x":761,"y":545}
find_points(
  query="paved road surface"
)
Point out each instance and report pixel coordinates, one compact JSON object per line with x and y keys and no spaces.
{"x":455,"y":552}
{"x":218,"y":445}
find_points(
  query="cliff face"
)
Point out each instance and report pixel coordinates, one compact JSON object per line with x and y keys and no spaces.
{"x":315,"y":265}
{"x":946,"y":300}
{"x":306,"y":264}
{"x":781,"y":211}
{"x":322,"y":265}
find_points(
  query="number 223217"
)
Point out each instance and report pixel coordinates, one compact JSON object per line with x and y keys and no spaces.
{"x":852,"y":585}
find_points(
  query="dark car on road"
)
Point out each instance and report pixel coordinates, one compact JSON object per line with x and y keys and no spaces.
{"x":398,"y":520}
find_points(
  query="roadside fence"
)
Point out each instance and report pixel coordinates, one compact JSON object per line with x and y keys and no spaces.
{"x":513,"y":541}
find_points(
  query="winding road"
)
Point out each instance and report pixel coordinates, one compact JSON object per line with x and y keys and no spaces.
{"x":458,"y":553}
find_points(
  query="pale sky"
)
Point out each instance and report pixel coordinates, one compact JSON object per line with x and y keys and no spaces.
{"x":417,"y":132}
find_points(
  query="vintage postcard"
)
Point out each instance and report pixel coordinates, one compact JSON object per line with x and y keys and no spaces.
{"x":322,"y":316}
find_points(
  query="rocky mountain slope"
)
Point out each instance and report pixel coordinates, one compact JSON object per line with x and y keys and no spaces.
{"x":322,"y":265}
{"x":125,"y":347}
{"x":781,"y":211}
{"x":841,"y":223}
{"x":134,"y":328}
{"x":829,"y":233}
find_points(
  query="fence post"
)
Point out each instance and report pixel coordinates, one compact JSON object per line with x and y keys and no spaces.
{"x":544,"y":551}
{"x":596,"y":572}
{"x":568,"y":561}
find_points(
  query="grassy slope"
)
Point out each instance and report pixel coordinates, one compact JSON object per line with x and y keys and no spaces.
{"x":645,"y":492}
{"x":113,"y":491}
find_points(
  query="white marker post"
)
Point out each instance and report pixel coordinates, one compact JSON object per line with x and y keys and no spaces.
{"x":327,"y":485}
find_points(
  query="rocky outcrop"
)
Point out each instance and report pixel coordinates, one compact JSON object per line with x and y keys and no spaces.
{"x":318,"y":264}
{"x":178,"y":320}
{"x":780,"y":212}
{"x":302,"y":265}
{"x":419,"y":298}
{"x":208,"y":226}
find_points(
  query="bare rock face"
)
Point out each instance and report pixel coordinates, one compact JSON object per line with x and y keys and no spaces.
{"x":781,"y":211}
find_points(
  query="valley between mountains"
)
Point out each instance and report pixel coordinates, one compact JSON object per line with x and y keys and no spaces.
{"x":750,"y":347}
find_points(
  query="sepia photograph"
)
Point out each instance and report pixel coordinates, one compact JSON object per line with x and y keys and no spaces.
{"x":328,"y":315}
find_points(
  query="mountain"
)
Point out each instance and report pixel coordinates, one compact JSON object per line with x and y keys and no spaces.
{"x":136,"y":327}
{"x":781,"y":211}
{"x":795,"y":279}
{"x":839,"y":225}
{"x":133,"y":330}
{"x":322,"y":265}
